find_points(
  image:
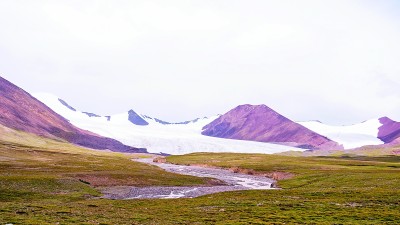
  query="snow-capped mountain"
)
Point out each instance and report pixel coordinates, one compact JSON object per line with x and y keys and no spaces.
{"x":371,"y":132}
{"x":156,"y":135}
{"x":20,"y":111}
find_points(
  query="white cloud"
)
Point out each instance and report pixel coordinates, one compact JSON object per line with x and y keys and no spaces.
{"x":181,"y":59}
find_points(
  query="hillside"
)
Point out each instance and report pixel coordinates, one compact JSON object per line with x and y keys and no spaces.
{"x":20,"y":111}
{"x":261,"y":123}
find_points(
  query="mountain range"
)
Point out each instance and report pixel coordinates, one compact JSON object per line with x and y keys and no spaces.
{"x":246,"y":128}
{"x":157,"y":135}
{"x":20,"y":111}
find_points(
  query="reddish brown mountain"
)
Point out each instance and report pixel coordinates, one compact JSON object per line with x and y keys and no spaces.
{"x":20,"y":111}
{"x":260,"y":123}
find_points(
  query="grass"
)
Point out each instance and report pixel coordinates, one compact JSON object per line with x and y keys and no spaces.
{"x":50,"y":182}
{"x":372,"y":151}
{"x":50,"y":174}
{"x":19,"y":162}
{"x":331,"y":190}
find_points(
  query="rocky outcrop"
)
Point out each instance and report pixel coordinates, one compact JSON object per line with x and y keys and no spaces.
{"x":20,"y":111}
{"x":261,"y":123}
{"x":136,"y":119}
{"x":91,"y":114}
{"x":66,"y":105}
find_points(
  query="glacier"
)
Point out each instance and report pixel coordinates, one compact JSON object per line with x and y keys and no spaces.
{"x":157,"y":136}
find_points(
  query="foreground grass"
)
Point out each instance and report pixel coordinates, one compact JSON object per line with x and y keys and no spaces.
{"x":324,"y":191}
{"x":48,"y":184}
{"x":359,"y":190}
{"x":51,"y":174}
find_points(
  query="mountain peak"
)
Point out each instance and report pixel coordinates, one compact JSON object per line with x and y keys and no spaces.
{"x":136,"y":119}
{"x":263,"y":124}
{"x":251,"y":107}
{"x":385,"y":119}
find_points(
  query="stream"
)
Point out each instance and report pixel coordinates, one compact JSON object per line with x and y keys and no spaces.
{"x":234,"y":182}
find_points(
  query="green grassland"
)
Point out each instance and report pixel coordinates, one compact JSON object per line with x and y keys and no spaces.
{"x":49,"y":182}
{"x":331,"y":190}
{"x":49,"y":174}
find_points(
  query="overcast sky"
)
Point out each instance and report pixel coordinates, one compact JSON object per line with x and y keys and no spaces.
{"x":336,"y":61}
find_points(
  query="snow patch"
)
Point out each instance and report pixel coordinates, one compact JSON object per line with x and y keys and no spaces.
{"x":159,"y":136}
{"x":350,"y":136}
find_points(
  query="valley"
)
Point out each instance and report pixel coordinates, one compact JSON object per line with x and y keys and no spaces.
{"x":47,"y":185}
{"x":59,"y":165}
{"x":222,"y":112}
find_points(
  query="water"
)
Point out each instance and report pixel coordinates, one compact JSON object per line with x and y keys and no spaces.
{"x":234,"y":182}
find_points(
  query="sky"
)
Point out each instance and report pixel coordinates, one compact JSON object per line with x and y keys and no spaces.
{"x":337,"y":61}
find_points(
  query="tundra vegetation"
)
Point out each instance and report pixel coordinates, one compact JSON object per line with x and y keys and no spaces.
{"x":47,"y":182}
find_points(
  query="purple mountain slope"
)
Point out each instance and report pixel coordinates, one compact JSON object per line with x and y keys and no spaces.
{"x":261,"y":123}
{"x":389,"y":131}
{"x":20,"y":111}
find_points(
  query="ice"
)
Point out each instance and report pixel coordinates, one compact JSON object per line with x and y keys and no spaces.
{"x":350,"y":136}
{"x":156,"y":137}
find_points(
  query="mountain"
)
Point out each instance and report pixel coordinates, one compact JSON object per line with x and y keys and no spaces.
{"x":371,"y":132}
{"x":133,"y":128}
{"x":20,"y":111}
{"x":261,"y":123}
{"x":389,"y":131}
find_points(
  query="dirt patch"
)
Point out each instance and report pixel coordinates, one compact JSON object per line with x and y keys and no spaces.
{"x":97,"y":180}
{"x":242,"y":171}
{"x":279,"y":175}
{"x":273,"y":175}
{"x":118,"y":190}
{"x":160,"y":160}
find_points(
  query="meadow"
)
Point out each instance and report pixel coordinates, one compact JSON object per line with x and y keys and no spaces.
{"x":49,"y":182}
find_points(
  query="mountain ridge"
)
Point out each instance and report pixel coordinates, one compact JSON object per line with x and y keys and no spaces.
{"x":160,"y":136}
{"x":378,"y":131}
{"x":261,"y":123}
{"x":150,"y":121}
{"x":22,"y":111}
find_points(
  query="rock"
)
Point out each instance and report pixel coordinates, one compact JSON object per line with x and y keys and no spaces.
{"x":274,"y":185}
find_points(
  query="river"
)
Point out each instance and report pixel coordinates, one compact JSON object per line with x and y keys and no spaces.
{"x":234,"y":182}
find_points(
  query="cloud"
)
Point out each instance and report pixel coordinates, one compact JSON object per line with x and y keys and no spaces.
{"x":336,"y":61}
{"x":386,"y":86}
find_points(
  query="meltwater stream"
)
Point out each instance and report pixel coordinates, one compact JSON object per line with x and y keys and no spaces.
{"x":234,"y":181}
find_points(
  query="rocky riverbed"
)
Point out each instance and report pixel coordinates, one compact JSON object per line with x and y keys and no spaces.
{"x":233,"y":182}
